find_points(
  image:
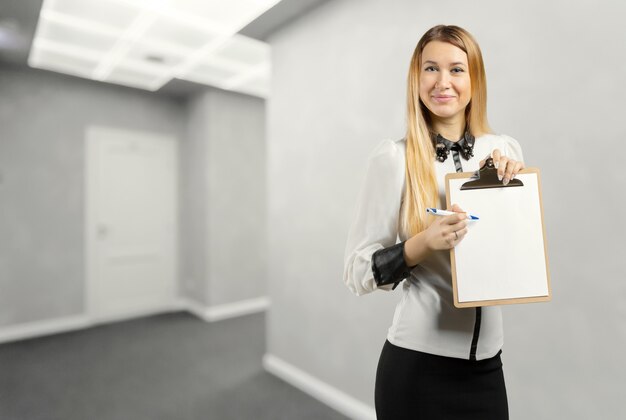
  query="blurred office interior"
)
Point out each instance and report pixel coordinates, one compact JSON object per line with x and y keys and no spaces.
{"x":177,"y":180}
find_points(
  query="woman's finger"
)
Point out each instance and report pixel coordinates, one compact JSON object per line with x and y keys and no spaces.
{"x":461,"y":233}
{"x":456,"y":236}
{"x":459,"y":225}
{"x":457,"y":208}
{"x":454,"y":219}
{"x":496,"y":155}
{"x":518,"y":167}
{"x":502,"y":167}
{"x":508,"y":173}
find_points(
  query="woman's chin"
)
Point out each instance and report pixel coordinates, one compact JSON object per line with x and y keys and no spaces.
{"x":446,"y":114}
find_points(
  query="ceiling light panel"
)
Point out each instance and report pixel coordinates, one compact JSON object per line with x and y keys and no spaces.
{"x":177,"y":33}
{"x":145,"y":43}
{"x":121,"y":48}
{"x":154,"y":55}
{"x":131,"y":78}
{"x":88,"y":26}
{"x":66,"y":49}
{"x":73,"y":35}
{"x":211,"y":75}
{"x":228,"y":14}
{"x":61,"y":62}
{"x":118,"y":15}
{"x":238,"y":55}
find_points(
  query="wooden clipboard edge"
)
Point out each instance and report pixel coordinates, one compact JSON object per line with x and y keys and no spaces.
{"x":543,"y":227}
{"x":511,"y":301}
{"x":454,"y":175}
{"x":530,"y":299}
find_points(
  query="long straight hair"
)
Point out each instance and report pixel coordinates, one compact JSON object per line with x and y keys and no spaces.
{"x":421,"y":189}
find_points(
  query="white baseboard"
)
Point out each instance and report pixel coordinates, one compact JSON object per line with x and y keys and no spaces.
{"x":331,"y":396}
{"x":76,"y":322}
{"x":41,"y":328}
{"x":228,"y":310}
{"x":138,"y":312}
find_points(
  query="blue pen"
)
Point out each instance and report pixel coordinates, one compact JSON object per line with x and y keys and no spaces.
{"x":438,"y":212}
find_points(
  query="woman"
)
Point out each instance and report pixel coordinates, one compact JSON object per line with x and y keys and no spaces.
{"x":438,"y":362}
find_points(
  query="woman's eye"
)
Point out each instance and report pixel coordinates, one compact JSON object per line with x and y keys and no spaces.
{"x":457,"y":70}
{"x":430,"y":68}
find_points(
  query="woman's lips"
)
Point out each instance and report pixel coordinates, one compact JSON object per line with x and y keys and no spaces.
{"x":443,"y":98}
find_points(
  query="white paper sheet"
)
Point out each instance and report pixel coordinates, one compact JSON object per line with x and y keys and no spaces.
{"x":503,"y":254}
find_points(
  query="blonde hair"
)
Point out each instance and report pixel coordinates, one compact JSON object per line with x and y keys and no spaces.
{"x":421,"y":189}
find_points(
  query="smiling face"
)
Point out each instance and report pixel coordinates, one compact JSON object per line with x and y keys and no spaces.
{"x":444,"y":82}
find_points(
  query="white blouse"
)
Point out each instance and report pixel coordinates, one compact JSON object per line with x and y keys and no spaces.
{"x":425,"y":319}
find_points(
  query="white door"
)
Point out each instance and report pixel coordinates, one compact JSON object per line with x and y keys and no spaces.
{"x":132,"y":231}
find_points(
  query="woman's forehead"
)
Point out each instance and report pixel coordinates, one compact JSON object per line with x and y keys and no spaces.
{"x":439,"y":52}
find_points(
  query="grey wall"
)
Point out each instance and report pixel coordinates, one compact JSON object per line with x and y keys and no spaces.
{"x":43,"y":118}
{"x":554,"y":71}
{"x":194,"y":204}
{"x":237,"y":193}
{"x":224,"y":172}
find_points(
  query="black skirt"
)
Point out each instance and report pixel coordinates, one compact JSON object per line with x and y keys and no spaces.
{"x":415,"y":385}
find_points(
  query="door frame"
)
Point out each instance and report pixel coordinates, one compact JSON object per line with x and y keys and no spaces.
{"x":91,"y":220}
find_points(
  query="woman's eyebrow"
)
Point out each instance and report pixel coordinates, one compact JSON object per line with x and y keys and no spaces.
{"x":456,"y":63}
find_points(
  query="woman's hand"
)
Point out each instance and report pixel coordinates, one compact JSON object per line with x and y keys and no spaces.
{"x":446,"y":232}
{"x":507,"y":168}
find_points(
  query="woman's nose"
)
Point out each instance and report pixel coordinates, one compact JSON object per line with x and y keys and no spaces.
{"x":442,"y":82}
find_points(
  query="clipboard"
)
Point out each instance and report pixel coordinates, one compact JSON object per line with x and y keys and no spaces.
{"x":503,"y":258}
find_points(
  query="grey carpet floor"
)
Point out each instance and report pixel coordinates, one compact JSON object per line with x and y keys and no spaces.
{"x":171,"y":366}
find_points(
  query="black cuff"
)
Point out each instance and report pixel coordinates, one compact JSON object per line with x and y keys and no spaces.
{"x":389,"y":266}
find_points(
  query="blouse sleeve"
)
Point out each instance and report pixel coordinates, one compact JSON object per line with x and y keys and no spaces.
{"x":513,"y":148}
{"x":375,"y":225}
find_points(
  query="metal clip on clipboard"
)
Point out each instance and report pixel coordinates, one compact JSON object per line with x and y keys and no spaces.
{"x":488,"y":178}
